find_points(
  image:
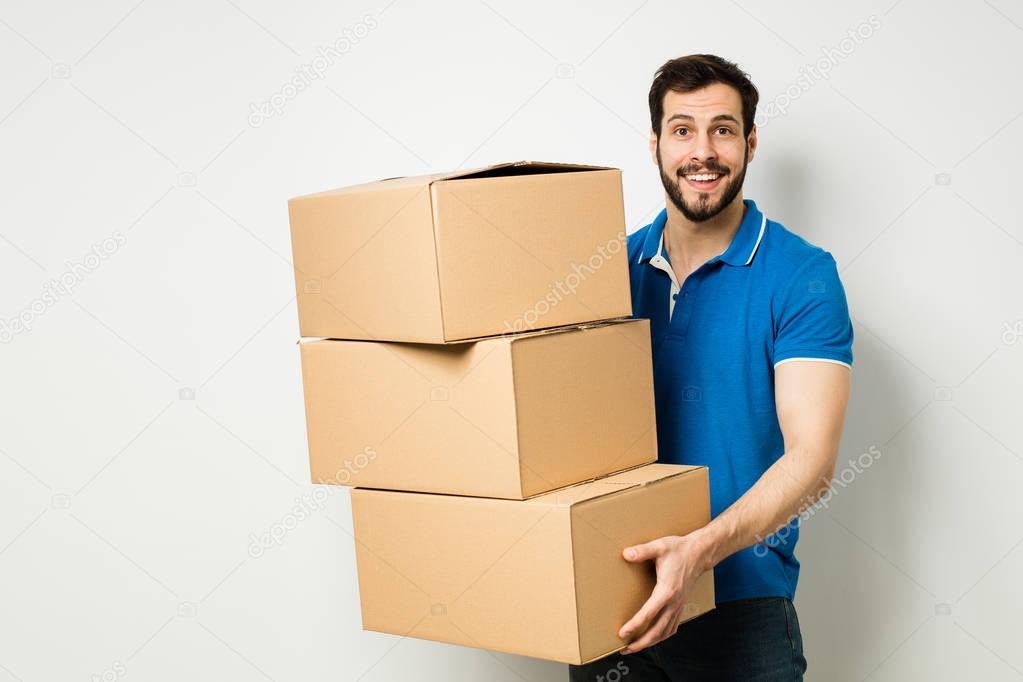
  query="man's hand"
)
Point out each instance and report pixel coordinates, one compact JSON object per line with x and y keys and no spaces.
{"x":811,"y":398}
{"x":679,"y":562}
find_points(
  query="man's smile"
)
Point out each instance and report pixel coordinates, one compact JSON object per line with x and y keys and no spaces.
{"x":703,"y":181}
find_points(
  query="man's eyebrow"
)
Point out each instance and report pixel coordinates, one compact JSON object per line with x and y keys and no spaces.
{"x":719,"y":117}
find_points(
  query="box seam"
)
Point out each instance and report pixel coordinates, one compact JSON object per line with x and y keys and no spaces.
{"x":436,"y":261}
{"x":547,"y":332}
{"x":571,"y":167}
{"x":594,"y":479}
{"x":515,"y":416}
{"x":575,"y":585}
{"x":642,"y":484}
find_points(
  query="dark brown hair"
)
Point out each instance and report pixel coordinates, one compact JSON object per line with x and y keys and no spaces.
{"x":696,"y":71}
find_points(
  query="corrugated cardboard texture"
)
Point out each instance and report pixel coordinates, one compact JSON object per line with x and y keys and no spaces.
{"x":493,"y":574}
{"x":606,"y":525}
{"x":584,"y":407}
{"x":528,"y":232}
{"x":360,"y":268}
{"x":542,"y":577}
{"x":505,"y":417}
{"x":449,"y":256}
{"x":637,"y":476}
{"x":434,"y":418}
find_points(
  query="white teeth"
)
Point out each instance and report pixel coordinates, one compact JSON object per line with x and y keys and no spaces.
{"x":710,"y":176}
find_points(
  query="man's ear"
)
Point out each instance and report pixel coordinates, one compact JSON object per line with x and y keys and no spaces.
{"x":653,"y":146}
{"x":752,"y":142}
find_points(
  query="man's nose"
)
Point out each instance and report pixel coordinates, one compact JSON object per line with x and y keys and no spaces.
{"x":703,"y":148}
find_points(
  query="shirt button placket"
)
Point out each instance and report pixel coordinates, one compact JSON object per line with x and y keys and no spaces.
{"x":685,"y":310}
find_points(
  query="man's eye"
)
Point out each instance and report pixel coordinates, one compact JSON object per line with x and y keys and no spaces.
{"x":679,"y":130}
{"x":726,"y":130}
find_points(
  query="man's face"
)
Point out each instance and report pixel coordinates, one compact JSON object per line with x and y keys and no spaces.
{"x":701,"y":133}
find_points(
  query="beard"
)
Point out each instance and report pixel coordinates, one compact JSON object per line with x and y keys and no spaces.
{"x":704,"y":208}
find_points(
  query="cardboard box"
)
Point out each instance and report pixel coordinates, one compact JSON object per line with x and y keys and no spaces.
{"x":506,"y":416}
{"x":452,"y":256}
{"x":542,"y":577}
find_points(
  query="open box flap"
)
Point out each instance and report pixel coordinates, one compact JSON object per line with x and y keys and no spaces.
{"x":493,"y":170}
{"x":637,"y":476}
{"x":494,"y":337}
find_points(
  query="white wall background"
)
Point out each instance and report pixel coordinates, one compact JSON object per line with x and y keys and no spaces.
{"x":152,"y":418}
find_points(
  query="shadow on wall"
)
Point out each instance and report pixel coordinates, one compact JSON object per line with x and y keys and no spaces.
{"x":854,"y":604}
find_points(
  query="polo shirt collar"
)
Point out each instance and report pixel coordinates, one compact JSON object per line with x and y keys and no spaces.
{"x":739,"y":253}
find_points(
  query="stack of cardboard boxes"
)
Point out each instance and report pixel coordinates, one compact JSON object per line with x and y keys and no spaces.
{"x":470,"y":366}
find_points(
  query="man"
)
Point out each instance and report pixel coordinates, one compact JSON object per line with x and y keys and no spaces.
{"x":752,"y":352}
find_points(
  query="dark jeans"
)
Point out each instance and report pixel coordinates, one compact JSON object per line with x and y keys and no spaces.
{"x":749,"y":639}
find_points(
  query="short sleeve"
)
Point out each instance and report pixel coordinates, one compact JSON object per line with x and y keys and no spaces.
{"x":812,"y":319}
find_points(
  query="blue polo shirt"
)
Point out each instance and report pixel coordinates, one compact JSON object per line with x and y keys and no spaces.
{"x":769,"y":298}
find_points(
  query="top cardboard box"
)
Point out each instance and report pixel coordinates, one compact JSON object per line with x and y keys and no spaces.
{"x":453,"y":256}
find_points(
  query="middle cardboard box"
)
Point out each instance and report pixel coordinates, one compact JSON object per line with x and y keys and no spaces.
{"x":504,"y":417}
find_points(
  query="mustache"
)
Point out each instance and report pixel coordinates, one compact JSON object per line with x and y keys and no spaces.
{"x":708,"y":169}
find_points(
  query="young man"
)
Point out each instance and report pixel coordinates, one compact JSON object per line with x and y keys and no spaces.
{"x":752,"y":352}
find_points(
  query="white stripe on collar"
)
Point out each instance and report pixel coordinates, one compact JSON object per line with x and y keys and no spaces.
{"x":763,"y":225}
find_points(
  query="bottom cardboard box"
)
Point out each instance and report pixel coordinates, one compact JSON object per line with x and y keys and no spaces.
{"x":541,"y":577}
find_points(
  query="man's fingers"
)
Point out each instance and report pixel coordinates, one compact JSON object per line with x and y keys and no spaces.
{"x":645,"y":552}
{"x":675,"y":622}
{"x":647,"y":613}
{"x":658,"y":631}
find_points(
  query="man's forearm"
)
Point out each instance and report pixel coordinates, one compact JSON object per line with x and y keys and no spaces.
{"x":794,"y":482}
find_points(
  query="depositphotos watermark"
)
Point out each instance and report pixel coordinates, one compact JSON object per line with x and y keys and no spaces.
{"x":567,"y":285}
{"x":63,"y":286}
{"x":306,"y":74}
{"x":116,"y":671}
{"x":846,"y":476}
{"x":1011,"y":333}
{"x":811,"y":74}
{"x":308,"y":504}
{"x":614,"y":674}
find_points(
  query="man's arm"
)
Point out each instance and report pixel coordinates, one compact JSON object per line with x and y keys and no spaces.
{"x":811,"y":399}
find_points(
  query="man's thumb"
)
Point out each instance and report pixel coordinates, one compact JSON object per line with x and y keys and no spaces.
{"x":638,"y":553}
